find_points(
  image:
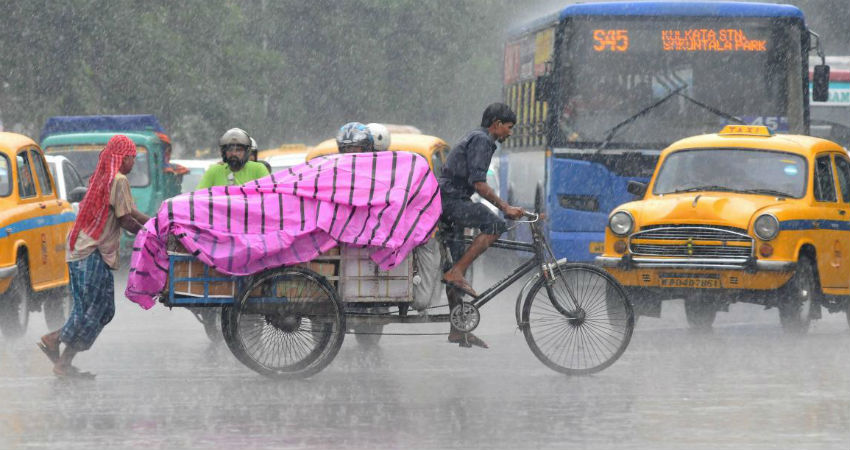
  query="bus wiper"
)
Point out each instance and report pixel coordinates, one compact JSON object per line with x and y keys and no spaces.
{"x":712,"y":109}
{"x":703,"y":188}
{"x":613,"y":131}
{"x":766,"y":192}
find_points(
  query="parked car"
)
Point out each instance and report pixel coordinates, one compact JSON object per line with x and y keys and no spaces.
{"x":66,"y":176}
{"x":34,"y":221}
{"x":196,"y":169}
{"x":738,"y":216}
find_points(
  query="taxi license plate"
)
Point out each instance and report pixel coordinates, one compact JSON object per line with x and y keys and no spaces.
{"x":694,"y":281}
{"x":597,"y":247}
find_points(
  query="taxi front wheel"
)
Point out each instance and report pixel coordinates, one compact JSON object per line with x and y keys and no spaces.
{"x":14,"y":303}
{"x":798,"y":298}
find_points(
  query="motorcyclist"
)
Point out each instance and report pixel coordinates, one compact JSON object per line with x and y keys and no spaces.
{"x":254,"y":156}
{"x":354,"y":137}
{"x":380,"y":135}
{"x":236,"y":167}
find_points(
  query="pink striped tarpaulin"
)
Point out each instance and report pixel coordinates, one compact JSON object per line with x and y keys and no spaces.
{"x":388,"y":200}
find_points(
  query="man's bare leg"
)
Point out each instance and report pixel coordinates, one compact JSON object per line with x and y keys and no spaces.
{"x":479,"y":245}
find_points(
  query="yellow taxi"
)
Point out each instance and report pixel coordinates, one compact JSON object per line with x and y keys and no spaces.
{"x":33,"y":224}
{"x":738,"y":216}
{"x":432,"y":148}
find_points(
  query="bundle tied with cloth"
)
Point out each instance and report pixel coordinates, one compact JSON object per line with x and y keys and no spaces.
{"x":386,"y":201}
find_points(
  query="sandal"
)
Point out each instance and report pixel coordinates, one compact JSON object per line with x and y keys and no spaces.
{"x":72,"y":372}
{"x":467,"y":340}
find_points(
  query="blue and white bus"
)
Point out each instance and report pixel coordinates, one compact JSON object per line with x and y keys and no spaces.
{"x":600,"y":88}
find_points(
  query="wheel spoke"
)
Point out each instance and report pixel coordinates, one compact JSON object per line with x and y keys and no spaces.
{"x":585,"y":328}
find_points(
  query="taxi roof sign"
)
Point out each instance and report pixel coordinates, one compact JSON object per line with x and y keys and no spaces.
{"x":747,"y":130}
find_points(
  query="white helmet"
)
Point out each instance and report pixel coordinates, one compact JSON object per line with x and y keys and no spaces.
{"x":381,"y":135}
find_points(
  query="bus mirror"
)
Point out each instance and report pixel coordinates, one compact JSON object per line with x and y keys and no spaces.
{"x":636,"y":188}
{"x":820,"y":83}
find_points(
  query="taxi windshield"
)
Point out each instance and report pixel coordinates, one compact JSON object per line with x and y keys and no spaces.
{"x":748,"y":171}
{"x":84,"y":158}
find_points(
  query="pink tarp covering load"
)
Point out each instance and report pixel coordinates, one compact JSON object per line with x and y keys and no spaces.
{"x":387,"y":200}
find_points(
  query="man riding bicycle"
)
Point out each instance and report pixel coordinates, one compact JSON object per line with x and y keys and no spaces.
{"x":465,"y":173}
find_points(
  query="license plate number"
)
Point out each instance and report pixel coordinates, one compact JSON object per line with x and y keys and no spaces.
{"x":690,"y":282}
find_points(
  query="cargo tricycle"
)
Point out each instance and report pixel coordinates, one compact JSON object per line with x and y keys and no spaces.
{"x":289,"y":322}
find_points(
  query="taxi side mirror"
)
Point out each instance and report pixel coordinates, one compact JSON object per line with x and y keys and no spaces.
{"x":820,"y":83}
{"x":636,"y":188}
{"x":76,"y":195}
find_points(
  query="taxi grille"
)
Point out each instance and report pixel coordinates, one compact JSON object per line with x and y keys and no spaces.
{"x":691,"y":241}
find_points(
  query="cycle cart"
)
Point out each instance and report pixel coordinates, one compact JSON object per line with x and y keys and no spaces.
{"x":289,"y":322}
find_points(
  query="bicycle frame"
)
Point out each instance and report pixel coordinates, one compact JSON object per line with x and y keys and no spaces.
{"x":536,"y":247}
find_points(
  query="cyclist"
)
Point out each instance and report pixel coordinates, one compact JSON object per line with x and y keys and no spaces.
{"x":464,"y":174}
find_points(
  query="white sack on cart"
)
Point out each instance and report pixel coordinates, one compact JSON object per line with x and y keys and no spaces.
{"x":427,"y":289}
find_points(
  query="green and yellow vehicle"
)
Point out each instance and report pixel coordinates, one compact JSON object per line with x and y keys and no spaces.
{"x":81,"y":138}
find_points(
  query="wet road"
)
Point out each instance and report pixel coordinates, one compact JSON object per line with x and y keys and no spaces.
{"x":162,"y":384}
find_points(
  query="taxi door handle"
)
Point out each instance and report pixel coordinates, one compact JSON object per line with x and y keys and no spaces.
{"x":841,"y":212}
{"x":42,"y":205}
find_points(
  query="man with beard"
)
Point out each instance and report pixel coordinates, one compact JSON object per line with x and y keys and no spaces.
{"x":236,"y":167}
{"x":464,"y":174}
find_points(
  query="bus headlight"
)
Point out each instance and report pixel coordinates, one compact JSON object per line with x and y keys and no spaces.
{"x":766,"y":227}
{"x":621,"y":223}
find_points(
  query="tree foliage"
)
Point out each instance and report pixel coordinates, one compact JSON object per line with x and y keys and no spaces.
{"x":285,"y":70}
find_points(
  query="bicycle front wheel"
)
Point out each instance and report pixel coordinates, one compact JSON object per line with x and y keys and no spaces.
{"x":578,"y":322}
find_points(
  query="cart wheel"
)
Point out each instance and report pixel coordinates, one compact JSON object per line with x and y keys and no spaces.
{"x":579,"y":322}
{"x":286,"y":323}
{"x":210,"y":318}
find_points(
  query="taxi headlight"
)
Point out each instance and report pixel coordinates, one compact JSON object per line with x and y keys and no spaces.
{"x":621,"y":223}
{"x":766,"y":227}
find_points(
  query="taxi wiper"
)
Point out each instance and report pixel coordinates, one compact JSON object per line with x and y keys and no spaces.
{"x":703,"y":188}
{"x":766,"y":192}
{"x":613,"y":131}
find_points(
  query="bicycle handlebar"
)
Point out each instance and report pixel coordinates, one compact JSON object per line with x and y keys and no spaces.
{"x":529,"y":216}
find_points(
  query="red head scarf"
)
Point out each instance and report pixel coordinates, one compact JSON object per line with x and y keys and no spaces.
{"x":94,"y":209}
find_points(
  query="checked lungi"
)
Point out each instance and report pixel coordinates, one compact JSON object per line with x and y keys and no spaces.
{"x":93,"y":291}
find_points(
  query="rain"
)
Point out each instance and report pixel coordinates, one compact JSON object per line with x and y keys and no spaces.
{"x":290,"y":74}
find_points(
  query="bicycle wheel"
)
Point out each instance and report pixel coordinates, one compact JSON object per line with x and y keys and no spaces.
{"x":286,"y":323}
{"x":580,"y":323}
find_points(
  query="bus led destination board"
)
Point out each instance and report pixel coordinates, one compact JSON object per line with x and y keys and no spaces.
{"x":708,"y":40}
{"x":677,"y":40}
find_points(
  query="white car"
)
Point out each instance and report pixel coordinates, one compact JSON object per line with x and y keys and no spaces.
{"x":196,"y":167}
{"x":282,"y":161}
{"x":66,"y":176}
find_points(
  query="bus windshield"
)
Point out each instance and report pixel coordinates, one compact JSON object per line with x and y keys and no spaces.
{"x":643,"y":82}
{"x":85,"y":159}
